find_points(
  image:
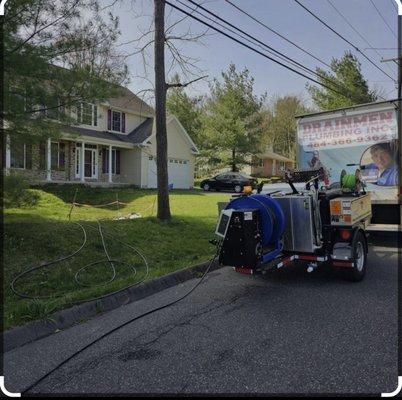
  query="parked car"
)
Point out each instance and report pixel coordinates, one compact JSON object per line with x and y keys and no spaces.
{"x":233,"y":181}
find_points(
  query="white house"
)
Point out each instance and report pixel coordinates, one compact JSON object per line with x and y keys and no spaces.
{"x":112,"y":142}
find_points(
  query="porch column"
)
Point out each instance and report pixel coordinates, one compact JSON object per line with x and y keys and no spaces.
{"x":49,"y":160}
{"x":8,"y":155}
{"x":82,"y":162}
{"x":110,"y":164}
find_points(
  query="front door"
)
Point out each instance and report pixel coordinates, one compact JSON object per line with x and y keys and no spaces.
{"x":90,"y":167}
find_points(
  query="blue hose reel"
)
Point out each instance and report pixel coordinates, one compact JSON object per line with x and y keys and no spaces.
{"x":272,"y":221}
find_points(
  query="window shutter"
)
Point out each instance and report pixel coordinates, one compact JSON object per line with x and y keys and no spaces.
{"x":62,"y":156}
{"x":79,"y":113}
{"x":95,"y":116}
{"x":28,"y":156}
{"x":117,"y":161}
{"x":105,"y":161}
{"x":123,"y":122}
{"x":42,"y":156}
{"x":109,"y":120}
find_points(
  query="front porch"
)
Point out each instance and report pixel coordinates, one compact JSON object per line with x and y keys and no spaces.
{"x":68,"y":161}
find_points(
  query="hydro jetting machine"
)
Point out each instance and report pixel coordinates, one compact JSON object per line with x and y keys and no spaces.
{"x":260,"y":232}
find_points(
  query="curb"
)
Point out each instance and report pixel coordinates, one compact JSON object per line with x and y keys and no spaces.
{"x":64,"y":319}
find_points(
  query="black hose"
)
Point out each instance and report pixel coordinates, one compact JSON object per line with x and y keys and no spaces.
{"x":123,"y":325}
{"x":108,"y":259}
{"x":48,"y":264}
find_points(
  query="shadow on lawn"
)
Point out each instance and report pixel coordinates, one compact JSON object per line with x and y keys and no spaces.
{"x":99,"y":195}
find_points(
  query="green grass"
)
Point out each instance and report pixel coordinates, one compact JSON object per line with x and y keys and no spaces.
{"x":41,"y":233}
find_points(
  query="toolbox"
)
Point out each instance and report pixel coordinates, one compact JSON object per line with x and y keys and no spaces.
{"x":347,"y":211}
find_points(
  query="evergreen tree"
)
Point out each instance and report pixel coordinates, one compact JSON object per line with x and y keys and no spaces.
{"x":232,"y":123}
{"x":55,"y":54}
{"x":346,"y":77}
{"x":187,"y":109}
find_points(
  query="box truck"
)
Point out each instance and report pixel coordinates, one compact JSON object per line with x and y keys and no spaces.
{"x":363,"y":137}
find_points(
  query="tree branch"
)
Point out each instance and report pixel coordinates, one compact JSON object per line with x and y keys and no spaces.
{"x":182,"y":85}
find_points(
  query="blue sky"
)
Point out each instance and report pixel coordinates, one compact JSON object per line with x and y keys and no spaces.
{"x":288,"y":18}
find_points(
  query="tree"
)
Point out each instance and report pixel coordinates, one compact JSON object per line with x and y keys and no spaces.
{"x":232,"y":126}
{"x":55,"y":55}
{"x":346,"y":78}
{"x":160,"y":112}
{"x":161,"y":38}
{"x":280,"y":123}
{"x":187,"y":109}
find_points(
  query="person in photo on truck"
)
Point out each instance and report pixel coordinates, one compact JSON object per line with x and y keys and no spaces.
{"x":315,"y":163}
{"x":384,"y":161}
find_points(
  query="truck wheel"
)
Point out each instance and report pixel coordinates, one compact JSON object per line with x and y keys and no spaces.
{"x":205,"y":187}
{"x":359,"y":256}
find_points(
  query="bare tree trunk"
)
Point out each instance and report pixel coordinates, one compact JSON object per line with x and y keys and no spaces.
{"x":234,"y":160}
{"x":160,"y":112}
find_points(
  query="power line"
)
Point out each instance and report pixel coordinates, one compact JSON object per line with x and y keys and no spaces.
{"x":393,"y":3}
{"x":277,"y":53}
{"x":316,"y":74}
{"x":254,"y":50}
{"x":360,"y":35}
{"x":343,"y":38}
{"x":278,"y":34}
{"x":382,"y":17}
{"x":261,"y":45}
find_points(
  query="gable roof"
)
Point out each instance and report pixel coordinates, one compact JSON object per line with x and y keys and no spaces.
{"x":274,"y":156}
{"x":127,"y":100}
{"x":141,"y":132}
{"x":187,"y":137}
{"x":145,"y":131}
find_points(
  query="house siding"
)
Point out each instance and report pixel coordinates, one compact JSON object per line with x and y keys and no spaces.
{"x":178,"y":148}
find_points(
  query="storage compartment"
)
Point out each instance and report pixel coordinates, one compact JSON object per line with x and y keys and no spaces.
{"x":299,"y":224}
{"x":348,"y":210}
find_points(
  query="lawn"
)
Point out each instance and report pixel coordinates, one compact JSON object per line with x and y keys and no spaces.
{"x":42,"y":232}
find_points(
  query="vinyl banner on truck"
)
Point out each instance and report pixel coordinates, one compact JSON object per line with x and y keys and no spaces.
{"x":363,"y":137}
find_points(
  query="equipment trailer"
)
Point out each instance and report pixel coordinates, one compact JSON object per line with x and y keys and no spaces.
{"x":262,"y":232}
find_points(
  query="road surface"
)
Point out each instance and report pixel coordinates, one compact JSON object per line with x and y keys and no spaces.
{"x":286,"y":332}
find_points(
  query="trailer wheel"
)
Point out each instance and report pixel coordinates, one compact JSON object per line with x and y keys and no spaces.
{"x":359,"y":256}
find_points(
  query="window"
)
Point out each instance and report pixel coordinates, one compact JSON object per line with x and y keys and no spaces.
{"x":116,"y":121}
{"x":57,"y":156}
{"x":21,"y":156}
{"x":87,"y":114}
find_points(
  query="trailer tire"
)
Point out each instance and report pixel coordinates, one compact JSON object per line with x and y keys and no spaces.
{"x":359,"y":256}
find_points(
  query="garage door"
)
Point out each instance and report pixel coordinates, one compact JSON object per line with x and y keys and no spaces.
{"x":178,"y":172}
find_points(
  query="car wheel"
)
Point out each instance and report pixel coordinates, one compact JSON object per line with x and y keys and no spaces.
{"x":238,"y":188}
{"x":359,"y":256}
{"x":206,"y":187}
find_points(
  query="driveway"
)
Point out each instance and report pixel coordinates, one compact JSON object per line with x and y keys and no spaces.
{"x":286,"y":332}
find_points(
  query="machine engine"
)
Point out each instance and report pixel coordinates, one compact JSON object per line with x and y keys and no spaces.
{"x":251,"y":228}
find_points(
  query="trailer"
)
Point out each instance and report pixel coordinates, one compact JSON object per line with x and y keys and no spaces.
{"x":314,"y":225}
{"x":365,"y":137}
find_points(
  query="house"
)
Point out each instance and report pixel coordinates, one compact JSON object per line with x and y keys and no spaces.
{"x":112,"y":143}
{"x":270,"y":164}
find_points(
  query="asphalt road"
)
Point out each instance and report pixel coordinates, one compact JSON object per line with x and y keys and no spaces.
{"x":286,"y":332}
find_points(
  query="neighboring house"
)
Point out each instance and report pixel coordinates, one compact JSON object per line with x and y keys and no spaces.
{"x":113,"y":142}
{"x":270,"y":164}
